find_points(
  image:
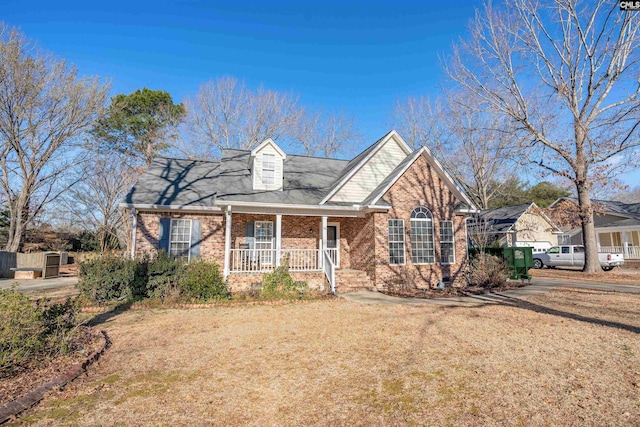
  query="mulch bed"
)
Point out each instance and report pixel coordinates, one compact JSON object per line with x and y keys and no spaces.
{"x":450,"y":292}
{"x":27,"y":386}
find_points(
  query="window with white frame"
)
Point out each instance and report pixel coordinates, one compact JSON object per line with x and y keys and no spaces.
{"x":564,"y":239}
{"x":447,"y":244}
{"x":268,"y":169}
{"x":396,"y":242}
{"x":180,"y":238}
{"x":422,"y":247}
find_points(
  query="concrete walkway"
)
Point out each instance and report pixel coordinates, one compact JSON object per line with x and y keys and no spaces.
{"x":26,"y":285}
{"x":537,"y":286}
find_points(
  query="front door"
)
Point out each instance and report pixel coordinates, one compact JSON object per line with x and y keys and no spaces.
{"x":333,"y":243}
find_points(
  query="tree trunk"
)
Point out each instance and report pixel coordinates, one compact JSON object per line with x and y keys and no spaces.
{"x":591,"y":261}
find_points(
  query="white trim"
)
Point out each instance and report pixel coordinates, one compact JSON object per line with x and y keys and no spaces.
{"x":134,"y":231}
{"x":278,"y":238}
{"x":266,"y":142}
{"x":323,"y":233}
{"x":284,"y":208}
{"x":227,"y":242}
{"x":380,"y":143}
{"x":439,"y":170}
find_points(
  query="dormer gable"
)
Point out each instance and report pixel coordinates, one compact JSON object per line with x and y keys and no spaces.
{"x":266,"y":163}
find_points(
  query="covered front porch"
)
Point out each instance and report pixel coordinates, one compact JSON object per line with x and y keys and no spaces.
{"x":258,"y":243}
{"x":623,"y":240}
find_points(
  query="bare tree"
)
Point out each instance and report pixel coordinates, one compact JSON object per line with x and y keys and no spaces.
{"x":226,"y":114}
{"x":326,"y":135}
{"x":93,"y":202}
{"x":472,"y":141}
{"x":44,"y":110}
{"x":566,"y":74}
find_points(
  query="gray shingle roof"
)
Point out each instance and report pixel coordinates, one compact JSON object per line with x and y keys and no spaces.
{"x":191,"y":183}
{"x":502,"y":219}
{"x":613,"y":207}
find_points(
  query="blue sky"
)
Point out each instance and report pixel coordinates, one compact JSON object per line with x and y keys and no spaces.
{"x":356,"y":57}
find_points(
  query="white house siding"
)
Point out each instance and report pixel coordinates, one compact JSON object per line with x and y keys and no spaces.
{"x":257,"y":169}
{"x":371,"y":174}
{"x":533,"y":230}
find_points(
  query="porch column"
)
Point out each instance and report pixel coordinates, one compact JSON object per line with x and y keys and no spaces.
{"x":278,"y":238}
{"x":227,"y":242}
{"x":324,"y":238}
{"x":134,"y":228}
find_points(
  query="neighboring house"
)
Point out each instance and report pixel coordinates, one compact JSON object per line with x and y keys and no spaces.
{"x":387,"y":216}
{"x":519,"y":225}
{"x":617,"y":225}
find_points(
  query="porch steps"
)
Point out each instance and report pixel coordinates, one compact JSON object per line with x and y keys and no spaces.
{"x":352,"y":281}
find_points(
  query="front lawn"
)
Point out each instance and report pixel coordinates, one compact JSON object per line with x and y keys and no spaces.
{"x":568,"y":357}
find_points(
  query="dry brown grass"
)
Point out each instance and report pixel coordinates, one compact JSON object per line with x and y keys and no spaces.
{"x":340,"y":363}
{"x":615,"y":276}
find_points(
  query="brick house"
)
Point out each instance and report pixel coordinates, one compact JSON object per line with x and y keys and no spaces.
{"x":390,"y":215}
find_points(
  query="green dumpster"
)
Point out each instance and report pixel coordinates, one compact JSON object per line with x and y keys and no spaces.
{"x":518,"y":260}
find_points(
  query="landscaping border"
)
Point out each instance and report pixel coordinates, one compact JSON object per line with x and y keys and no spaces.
{"x":13,"y":408}
{"x":142,"y":306}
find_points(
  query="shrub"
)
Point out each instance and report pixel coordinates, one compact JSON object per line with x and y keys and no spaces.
{"x":112,"y":277}
{"x":21,"y":327}
{"x":163,"y":272}
{"x":488,"y":271}
{"x":30,"y":331}
{"x":202,"y":280}
{"x":279,"y":283}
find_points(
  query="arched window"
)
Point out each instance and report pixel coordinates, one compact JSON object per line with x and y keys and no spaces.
{"x":422,"y":247}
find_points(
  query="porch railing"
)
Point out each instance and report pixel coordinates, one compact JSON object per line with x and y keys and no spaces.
{"x":329,"y":269}
{"x":264,"y":260}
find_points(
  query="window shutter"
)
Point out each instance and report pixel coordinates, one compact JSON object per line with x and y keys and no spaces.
{"x":194,"y":250}
{"x":249,"y":233}
{"x":163,"y":235}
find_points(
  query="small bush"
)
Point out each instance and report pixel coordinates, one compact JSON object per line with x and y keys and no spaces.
{"x":280,"y":284}
{"x":202,"y":280}
{"x":163,"y":273}
{"x":111,"y":277}
{"x":30,"y":331}
{"x":488,"y":271}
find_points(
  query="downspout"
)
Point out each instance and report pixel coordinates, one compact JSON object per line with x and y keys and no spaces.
{"x":134,"y":230}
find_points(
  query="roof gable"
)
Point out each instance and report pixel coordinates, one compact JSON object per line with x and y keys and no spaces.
{"x":393,"y":177}
{"x":358,"y":165}
{"x":265,"y":143}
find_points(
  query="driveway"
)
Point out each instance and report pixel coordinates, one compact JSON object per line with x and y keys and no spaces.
{"x":537,"y":285}
{"x":25,"y":285}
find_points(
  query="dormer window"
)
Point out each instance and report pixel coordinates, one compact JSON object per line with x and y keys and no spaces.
{"x":268,"y":169}
{"x":267,"y":166}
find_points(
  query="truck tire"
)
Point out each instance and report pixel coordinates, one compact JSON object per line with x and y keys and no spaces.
{"x":608,"y":268}
{"x":537,"y":263}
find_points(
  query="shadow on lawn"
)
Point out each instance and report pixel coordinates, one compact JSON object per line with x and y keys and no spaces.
{"x":508,"y":301}
{"x":101,"y":318}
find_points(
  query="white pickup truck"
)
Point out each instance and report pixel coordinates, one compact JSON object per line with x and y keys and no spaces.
{"x":573,"y":256}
